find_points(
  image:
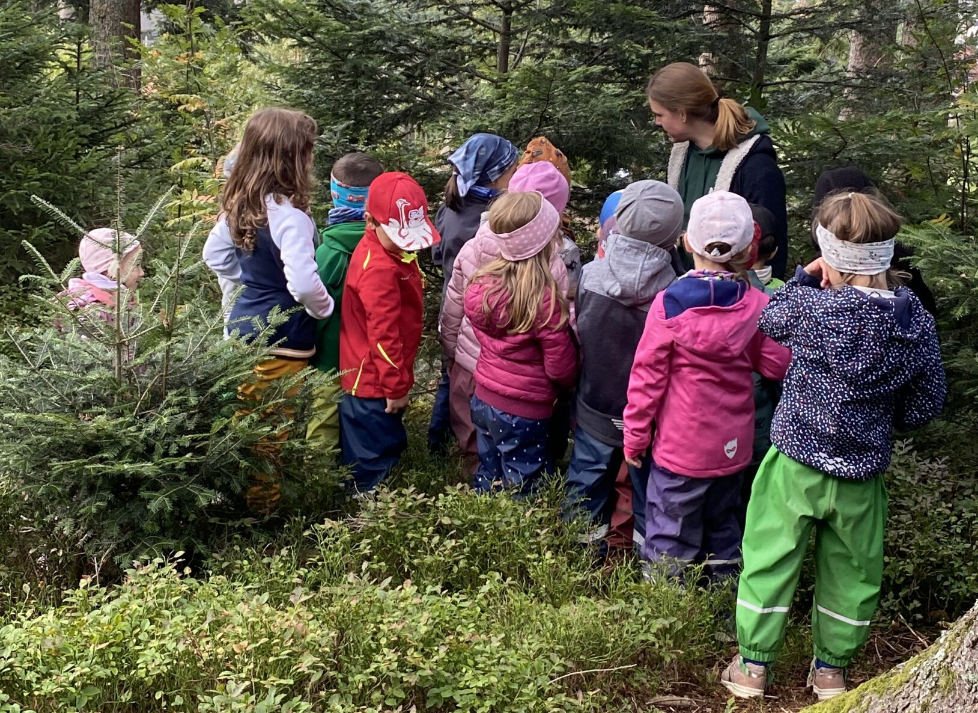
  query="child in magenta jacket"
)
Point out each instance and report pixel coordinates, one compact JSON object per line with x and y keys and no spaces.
{"x":692,"y":376}
{"x":520,"y":317}
{"x":457,"y":335}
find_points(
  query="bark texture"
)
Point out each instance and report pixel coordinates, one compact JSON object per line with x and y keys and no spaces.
{"x":943,"y":679}
{"x":114,"y":24}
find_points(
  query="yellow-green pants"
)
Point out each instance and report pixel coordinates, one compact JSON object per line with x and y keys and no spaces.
{"x":264,"y":489}
{"x":324,"y":424}
{"x":787,"y":501}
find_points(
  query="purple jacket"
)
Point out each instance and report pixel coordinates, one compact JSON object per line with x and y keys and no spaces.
{"x":692,"y":376}
{"x":519,"y":373}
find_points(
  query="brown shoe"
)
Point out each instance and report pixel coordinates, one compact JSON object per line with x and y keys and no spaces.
{"x":745,"y":680}
{"x":827,"y":682}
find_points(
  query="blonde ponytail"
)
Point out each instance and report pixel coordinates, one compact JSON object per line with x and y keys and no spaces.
{"x":732,"y":124}
{"x":682,"y":86}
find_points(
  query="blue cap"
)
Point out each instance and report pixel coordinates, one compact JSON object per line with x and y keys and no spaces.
{"x":609,"y":207}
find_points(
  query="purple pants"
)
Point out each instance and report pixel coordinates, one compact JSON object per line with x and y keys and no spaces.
{"x":693,"y":520}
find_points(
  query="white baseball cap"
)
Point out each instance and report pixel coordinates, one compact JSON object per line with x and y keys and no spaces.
{"x":720,"y":217}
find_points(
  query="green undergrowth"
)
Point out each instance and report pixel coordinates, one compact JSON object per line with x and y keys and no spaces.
{"x":448,"y":602}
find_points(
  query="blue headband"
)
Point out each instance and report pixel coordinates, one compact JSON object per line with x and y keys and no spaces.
{"x":345,"y":196}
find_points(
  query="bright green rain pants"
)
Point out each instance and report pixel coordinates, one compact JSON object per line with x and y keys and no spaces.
{"x":787,"y":501}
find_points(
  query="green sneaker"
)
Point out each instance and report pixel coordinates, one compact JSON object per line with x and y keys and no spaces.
{"x":745,"y":680}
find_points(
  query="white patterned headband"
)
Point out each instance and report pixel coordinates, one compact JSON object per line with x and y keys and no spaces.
{"x":855,"y":258}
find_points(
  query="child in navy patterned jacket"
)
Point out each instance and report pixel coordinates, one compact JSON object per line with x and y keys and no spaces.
{"x":865,"y":359}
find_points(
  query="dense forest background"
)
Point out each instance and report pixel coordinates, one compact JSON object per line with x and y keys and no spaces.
{"x":114,"y":112}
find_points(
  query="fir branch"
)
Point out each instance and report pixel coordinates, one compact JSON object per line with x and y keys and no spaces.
{"x":57,"y":214}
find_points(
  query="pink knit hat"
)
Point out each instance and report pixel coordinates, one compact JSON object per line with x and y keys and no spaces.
{"x":530,"y":239}
{"x":97,"y":251}
{"x":545,"y":178}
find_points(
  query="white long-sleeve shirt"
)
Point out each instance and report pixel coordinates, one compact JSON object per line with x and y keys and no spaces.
{"x":293,"y":233}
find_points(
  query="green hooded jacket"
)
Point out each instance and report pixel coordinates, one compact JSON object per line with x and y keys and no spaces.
{"x":332,"y":262}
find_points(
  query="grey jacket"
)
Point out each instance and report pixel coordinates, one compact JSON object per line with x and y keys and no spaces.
{"x":612,"y":305}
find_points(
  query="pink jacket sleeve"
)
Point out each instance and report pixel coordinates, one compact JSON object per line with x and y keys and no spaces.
{"x":559,"y":352}
{"x":768,"y":358}
{"x":646,"y":386}
{"x":453,"y":311}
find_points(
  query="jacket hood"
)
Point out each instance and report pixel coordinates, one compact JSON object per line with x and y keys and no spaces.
{"x":872,"y":354}
{"x":632,"y":272}
{"x":713,"y":330}
{"x":760,"y":124}
{"x":344,"y":236}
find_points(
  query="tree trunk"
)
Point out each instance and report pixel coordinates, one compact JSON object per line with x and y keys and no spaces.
{"x":114,"y":24}
{"x":943,"y":679}
{"x":763,"y":40}
{"x":505,"y":39}
{"x":720,"y":22}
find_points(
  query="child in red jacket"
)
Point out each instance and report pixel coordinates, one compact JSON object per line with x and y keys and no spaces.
{"x":520,"y":317}
{"x":380,"y":329}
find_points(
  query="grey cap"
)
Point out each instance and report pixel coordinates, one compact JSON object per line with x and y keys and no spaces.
{"x":650,"y":211}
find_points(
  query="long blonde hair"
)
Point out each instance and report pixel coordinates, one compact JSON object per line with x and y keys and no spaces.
{"x":274,"y":158}
{"x":863,"y":217}
{"x":682,"y":86}
{"x":528,"y":286}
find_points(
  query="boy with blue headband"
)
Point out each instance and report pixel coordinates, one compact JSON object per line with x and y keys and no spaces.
{"x":349,"y":182}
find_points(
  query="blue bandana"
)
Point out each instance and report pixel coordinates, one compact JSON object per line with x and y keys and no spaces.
{"x":345,"y":196}
{"x":481,"y":160}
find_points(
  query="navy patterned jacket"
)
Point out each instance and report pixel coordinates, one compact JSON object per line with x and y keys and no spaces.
{"x":861,"y":365}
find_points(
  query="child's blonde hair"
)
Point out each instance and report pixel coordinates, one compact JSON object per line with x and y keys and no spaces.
{"x":525,"y":284}
{"x":682,"y":86}
{"x":863,"y":217}
{"x":274,"y":158}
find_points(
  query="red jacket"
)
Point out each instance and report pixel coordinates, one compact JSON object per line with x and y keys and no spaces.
{"x":380,"y":326}
{"x":519,"y":373}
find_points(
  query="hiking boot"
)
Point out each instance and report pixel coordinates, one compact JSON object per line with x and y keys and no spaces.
{"x":827,"y":682}
{"x":745,"y":680}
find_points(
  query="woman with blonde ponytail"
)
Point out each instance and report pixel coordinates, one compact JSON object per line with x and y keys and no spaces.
{"x":718,"y":144}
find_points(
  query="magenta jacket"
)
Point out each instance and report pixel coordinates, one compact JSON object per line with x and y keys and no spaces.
{"x":519,"y":373}
{"x":692,"y":378}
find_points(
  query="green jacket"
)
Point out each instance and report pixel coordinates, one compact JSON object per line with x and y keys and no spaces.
{"x":332,"y":262}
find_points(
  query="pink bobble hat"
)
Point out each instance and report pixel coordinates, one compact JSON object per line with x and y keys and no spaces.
{"x":544,"y":178}
{"x":530,"y":239}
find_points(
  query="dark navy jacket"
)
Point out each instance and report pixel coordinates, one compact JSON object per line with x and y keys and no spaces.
{"x":861,"y":365}
{"x":265,"y":288}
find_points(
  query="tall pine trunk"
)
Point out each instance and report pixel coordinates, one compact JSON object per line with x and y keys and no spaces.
{"x":115,"y":23}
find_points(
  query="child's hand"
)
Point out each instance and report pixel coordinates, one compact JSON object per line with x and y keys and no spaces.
{"x":817,"y":268}
{"x":634,"y":462}
{"x":396,"y":405}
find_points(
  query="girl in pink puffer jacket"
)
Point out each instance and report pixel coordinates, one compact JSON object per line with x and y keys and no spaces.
{"x":521,"y":321}
{"x":457,"y":335}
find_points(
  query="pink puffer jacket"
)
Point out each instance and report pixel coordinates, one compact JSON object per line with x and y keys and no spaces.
{"x":457,"y":336}
{"x":520,"y":373}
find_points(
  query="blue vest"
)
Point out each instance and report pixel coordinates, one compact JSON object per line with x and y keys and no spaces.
{"x":263,"y":277}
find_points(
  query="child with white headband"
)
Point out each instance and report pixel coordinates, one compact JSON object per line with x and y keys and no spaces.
{"x":865,"y":359}
{"x":520,"y":316}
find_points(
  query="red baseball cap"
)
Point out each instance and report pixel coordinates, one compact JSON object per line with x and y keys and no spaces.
{"x":399,"y":204}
